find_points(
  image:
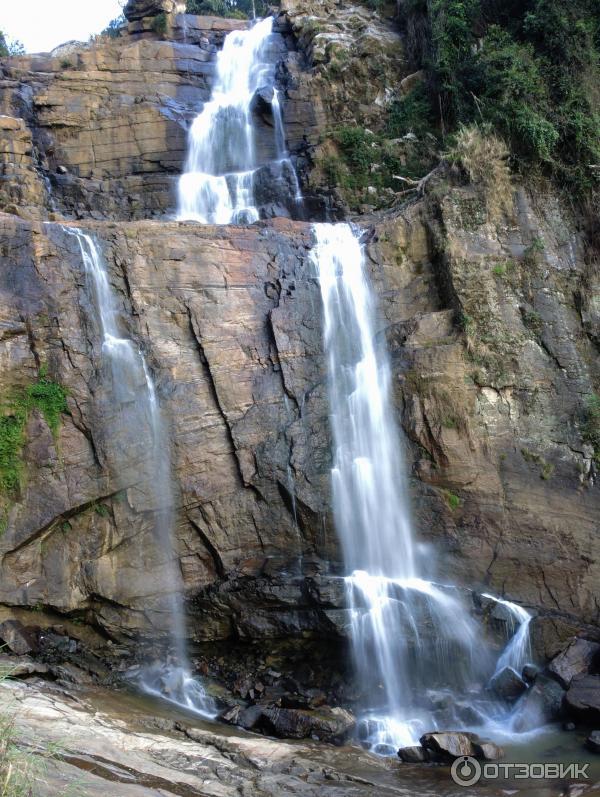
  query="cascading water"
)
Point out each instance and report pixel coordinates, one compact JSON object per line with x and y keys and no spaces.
{"x":409,"y":634}
{"x":132,"y":386}
{"x":219,"y":185}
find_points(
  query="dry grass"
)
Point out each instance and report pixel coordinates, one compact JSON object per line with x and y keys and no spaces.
{"x":484,"y":157}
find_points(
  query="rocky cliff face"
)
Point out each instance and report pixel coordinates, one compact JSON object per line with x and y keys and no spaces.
{"x":493,"y":327}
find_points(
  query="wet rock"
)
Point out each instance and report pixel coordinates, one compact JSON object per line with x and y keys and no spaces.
{"x":508,"y":684}
{"x":250,"y":717}
{"x":231,"y":715}
{"x":326,"y":724}
{"x":17,"y":638}
{"x":583,"y":699}
{"x":593,"y":742}
{"x":529,"y":673}
{"x":262,"y":102}
{"x":448,"y":745}
{"x":542,"y":703}
{"x":413,"y":755}
{"x":574,"y":662}
{"x":467,"y":713}
{"x":487,"y":751}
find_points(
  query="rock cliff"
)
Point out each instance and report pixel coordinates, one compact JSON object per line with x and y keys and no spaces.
{"x":494,"y":328}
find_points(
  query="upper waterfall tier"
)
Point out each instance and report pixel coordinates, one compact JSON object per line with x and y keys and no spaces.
{"x":222,"y":183}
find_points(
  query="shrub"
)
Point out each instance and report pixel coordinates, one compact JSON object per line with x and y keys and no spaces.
{"x":238,"y":9}
{"x":10,"y":46}
{"x":159,"y":24}
{"x":113,"y":29}
{"x":530,"y":69}
{"x":484,"y":157}
{"x":451,"y":499}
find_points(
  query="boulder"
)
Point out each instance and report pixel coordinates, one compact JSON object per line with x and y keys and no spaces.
{"x":138,"y":9}
{"x":530,"y":673}
{"x":583,"y":699}
{"x":413,"y":755}
{"x":249,"y":718}
{"x":593,"y":742}
{"x":326,"y":724}
{"x":487,"y":751}
{"x":508,"y":684}
{"x":575,"y":661}
{"x":21,"y":667}
{"x":17,"y":638}
{"x":542,"y":703}
{"x":448,"y":745}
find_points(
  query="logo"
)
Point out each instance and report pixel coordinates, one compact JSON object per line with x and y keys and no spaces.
{"x":466,"y":771}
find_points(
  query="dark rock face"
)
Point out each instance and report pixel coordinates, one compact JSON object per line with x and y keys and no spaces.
{"x":583,"y":699}
{"x":17,"y":638}
{"x":593,"y":742}
{"x":574,"y":662}
{"x":137,"y":9}
{"x":508,"y":684}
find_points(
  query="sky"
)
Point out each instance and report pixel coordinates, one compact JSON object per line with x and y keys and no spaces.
{"x":41,"y":25}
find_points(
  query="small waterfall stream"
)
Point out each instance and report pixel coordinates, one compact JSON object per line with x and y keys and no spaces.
{"x":409,"y":634}
{"x":132,"y":386}
{"x":220,"y":182}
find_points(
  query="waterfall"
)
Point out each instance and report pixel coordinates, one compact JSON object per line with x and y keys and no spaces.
{"x":518,"y":650}
{"x":409,"y":634}
{"x":134,"y":392}
{"x":221,"y":182}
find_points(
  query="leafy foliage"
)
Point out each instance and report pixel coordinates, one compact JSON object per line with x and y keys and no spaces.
{"x":238,"y":9}
{"x":44,"y":395}
{"x":113,"y":29}
{"x":10,"y":46}
{"x":530,"y":69}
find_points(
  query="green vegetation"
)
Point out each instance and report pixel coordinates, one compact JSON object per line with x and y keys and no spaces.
{"x":526,"y":70}
{"x":451,"y":499}
{"x":591,"y":424}
{"x":44,"y":395}
{"x":102,"y":510}
{"x":365,"y":165}
{"x":237,"y":9}
{"x":159,"y":24}
{"x":24,"y":763}
{"x":10,"y":46}
{"x":113,"y":29}
{"x":546,"y":468}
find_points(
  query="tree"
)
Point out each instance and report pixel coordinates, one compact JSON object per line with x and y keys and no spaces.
{"x":10,"y":46}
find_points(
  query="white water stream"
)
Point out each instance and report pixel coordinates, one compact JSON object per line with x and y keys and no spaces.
{"x":132,"y":387}
{"x":409,"y":634}
{"x":218,"y":185}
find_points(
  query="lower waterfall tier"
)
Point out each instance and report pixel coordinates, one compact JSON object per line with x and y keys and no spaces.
{"x":228,"y":319}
